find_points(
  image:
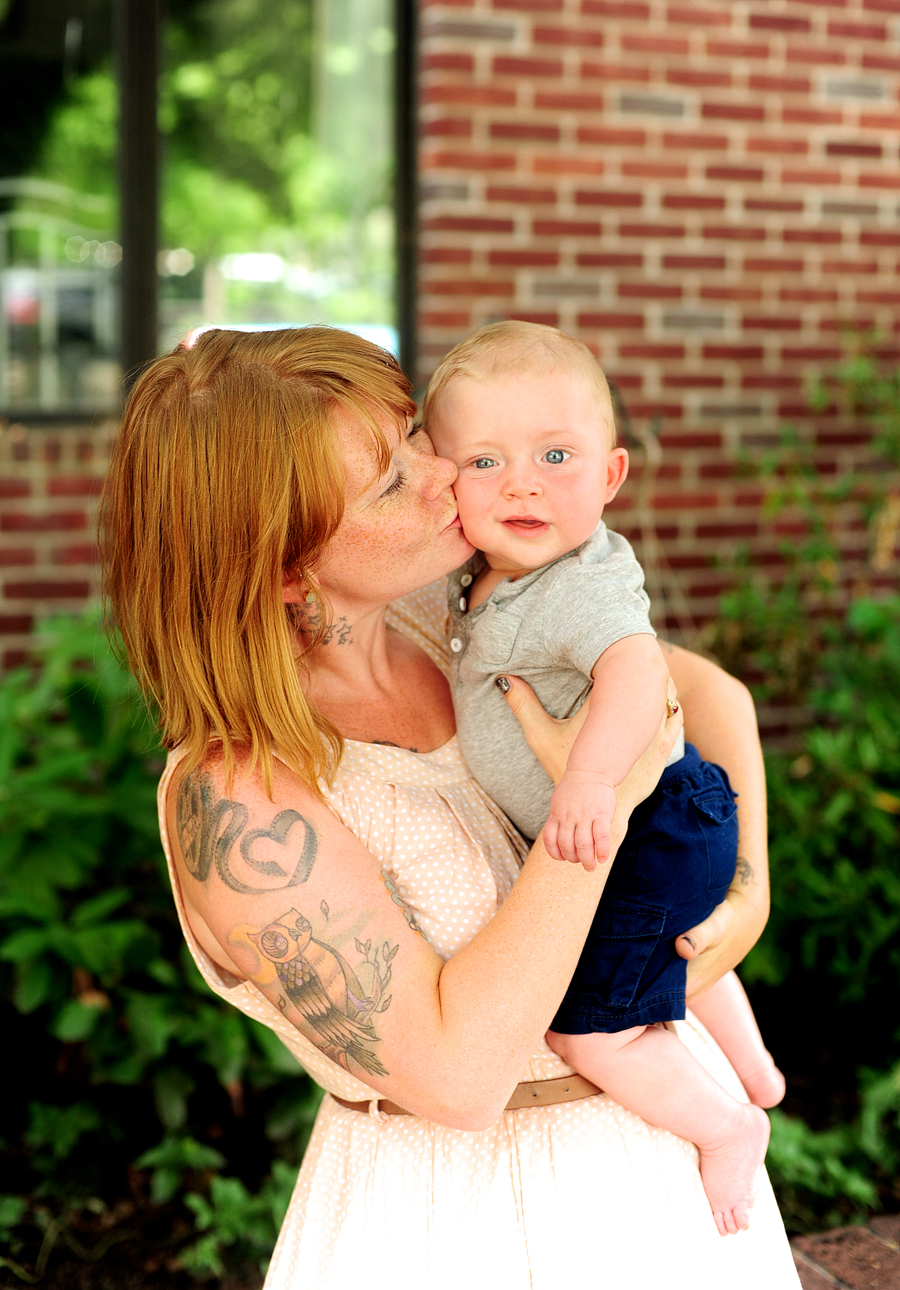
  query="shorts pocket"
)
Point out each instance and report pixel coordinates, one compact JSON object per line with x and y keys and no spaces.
{"x":716,"y":814}
{"x":621,"y":941}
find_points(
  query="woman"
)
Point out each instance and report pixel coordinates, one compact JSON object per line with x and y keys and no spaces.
{"x":341,"y":878}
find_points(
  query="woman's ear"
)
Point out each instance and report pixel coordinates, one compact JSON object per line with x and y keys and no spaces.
{"x":293,"y":592}
{"x":297,"y":590}
{"x":616,"y":472}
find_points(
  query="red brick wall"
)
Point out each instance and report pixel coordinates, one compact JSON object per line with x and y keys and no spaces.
{"x":49,"y":486}
{"x":704,"y":193}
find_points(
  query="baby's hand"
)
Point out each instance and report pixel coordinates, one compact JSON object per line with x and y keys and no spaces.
{"x":581,"y":812}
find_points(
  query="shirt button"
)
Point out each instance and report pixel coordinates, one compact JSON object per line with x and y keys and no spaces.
{"x":466,"y":580}
{"x":462,"y":603}
{"x":456,"y":644}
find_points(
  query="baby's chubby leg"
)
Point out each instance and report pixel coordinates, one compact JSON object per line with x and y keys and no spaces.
{"x":725,"y":1011}
{"x":649,"y":1071}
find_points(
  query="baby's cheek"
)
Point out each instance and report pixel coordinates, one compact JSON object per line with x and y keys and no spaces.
{"x":471,"y":514}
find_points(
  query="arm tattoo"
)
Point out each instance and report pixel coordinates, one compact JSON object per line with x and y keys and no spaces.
{"x":398,"y":900}
{"x":744,"y":872}
{"x":338,"y":1003}
{"x":208,"y":827}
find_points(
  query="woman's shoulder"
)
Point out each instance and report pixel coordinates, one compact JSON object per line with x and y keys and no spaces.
{"x":423,"y":618}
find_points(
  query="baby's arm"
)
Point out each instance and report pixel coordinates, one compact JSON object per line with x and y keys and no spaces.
{"x":626,"y":701}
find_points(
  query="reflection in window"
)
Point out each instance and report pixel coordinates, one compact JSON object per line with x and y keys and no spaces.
{"x":277,"y":173}
{"x":276,"y":185}
{"x":58,"y":248}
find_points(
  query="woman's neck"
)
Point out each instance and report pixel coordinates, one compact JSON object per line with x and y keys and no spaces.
{"x":375,"y":685}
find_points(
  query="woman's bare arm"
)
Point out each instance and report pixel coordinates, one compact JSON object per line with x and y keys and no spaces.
{"x":279,"y":891}
{"x":720,"y":720}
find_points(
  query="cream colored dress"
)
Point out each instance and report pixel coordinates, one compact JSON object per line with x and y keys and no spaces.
{"x":582,"y":1194}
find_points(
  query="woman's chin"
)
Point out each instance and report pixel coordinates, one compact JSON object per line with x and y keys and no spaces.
{"x":457,"y":551}
{"x":466,"y":550}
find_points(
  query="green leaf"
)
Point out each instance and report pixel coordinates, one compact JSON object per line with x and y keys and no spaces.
{"x":152,"y":1021}
{"x":171,"y":1089}
{"x":34,"y":983}
{"x":171,"y":1159}
{"x":181,"y":1153}
{"x":278,"y":1056}
{"x":24,"y":945}
{"x":59,"y":1128}
{"x":99,"y":907}
{"x":75,"y":1021}
{"x":12,"y":1208}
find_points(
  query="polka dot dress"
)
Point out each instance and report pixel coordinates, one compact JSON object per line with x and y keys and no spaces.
{"x":582,"y":1194}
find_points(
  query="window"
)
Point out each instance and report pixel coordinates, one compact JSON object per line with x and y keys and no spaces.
{"x":276,"y":202}
{"x":58,"y":248}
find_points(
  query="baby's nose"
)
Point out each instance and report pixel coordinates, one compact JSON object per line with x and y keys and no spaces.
{"x":522,"y":482}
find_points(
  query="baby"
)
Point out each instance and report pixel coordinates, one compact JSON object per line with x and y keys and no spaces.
{"x":525,"y":413}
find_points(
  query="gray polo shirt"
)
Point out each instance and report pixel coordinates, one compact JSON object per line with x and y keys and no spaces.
{"x":549,"y":627}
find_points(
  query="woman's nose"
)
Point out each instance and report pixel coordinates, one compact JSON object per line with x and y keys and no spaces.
{"x":441,"y":472}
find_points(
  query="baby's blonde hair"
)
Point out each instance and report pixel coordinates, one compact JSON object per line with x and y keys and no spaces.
{"x":501,"y":348}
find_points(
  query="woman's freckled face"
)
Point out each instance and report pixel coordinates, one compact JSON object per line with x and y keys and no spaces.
{"x":400,"y":529}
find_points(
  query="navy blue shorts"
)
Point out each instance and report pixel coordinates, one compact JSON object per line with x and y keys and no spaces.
{"x":674,"y":866}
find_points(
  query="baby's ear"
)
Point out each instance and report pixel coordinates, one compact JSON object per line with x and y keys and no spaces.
{"x":616,"y":472}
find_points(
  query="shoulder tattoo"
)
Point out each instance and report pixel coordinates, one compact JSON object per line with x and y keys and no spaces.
{"x":211,"y":828}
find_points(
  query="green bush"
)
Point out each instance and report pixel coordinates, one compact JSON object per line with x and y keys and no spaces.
{"x":835,"y":828}
{"x":824,"y":974}
{"x":129,"y":1078}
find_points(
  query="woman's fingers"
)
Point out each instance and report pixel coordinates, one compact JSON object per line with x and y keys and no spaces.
{"x":550,"y":740}
{"x":706,"y":947}
{"x":686,"y":946}
{"x":705,"y":935}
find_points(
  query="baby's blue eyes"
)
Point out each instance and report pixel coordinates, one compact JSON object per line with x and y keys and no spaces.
{"x":553,"y":457}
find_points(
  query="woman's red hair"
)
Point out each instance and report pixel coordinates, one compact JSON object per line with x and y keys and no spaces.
{"x":226,"y":477}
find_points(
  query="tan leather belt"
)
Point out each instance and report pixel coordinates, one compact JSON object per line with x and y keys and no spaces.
{"x":539,"y":1092}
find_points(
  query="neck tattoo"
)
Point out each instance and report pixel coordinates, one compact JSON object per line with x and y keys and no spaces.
{"x":307,"y":620}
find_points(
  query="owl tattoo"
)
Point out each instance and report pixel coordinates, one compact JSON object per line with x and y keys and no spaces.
{"x":326,"y":991}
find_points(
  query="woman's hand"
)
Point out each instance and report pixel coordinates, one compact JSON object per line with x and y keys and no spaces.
{"x":721,"y":721}
{"x":551,"y":742}
{"x":711,"y":947}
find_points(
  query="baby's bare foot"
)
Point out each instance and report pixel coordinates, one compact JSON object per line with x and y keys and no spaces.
{"x":730,"y":1169}
{"x":765,"y":1084}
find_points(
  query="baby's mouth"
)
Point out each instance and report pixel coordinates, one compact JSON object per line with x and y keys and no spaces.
{"x":525,"y":523}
